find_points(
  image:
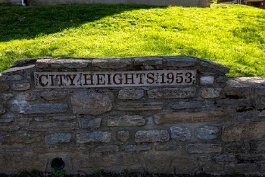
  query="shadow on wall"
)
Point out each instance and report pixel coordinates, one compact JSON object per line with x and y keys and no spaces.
{"x":32,"y":21}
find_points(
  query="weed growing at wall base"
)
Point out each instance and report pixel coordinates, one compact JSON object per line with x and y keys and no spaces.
{"x":233,"y":35}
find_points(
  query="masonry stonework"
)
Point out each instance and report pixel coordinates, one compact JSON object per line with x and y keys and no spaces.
{"x":169,"y":122}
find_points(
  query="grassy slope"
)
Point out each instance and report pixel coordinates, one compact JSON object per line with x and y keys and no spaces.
{"x":233,"y":35}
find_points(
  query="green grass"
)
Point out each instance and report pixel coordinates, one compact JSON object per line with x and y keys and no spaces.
{"x":233,"y":35}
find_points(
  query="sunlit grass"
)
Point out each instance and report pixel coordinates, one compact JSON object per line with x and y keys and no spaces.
{"x":233,"y":35}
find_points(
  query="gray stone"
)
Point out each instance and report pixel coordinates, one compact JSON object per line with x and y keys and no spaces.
{"x":188,"y":92}
{"x":151,"y":136}
{"x":56,"y":138}
{"x":123,"y":135}
{"x":90,"y":123}
{"x":204,"y":104}
{"x":53,"y":95}
{"x":180,"y":133}
{"x":126,"y":121}
{"x":4,"y":86}
{"x":167,"y":147}
{"x":21,"y":86}
{"x":93,"y":137}
{"x":112,"y":63}
{"x":210,"y":92}
{"x":23,"y":107}
{"x":139,"y":106}
{"x":224,"y":158}
{"x":262,"y":114}
{"x":2,"y":109}
{"x":186,"y":116}
{"x":19,"y":148}
{"x":14,"y":77}
{"x":207,"y":132}
{"x":131,"y":94}
{"x":62,"y":118}
{"x":7,"y":118}
{"x":107,"y":148}
{"x":180,"y":61}
{"x":136,"y":148}
{"x":204,"y":148}
{"x":6,"y":96}
{"x":91,"y":103}
{"x":206,"y":80}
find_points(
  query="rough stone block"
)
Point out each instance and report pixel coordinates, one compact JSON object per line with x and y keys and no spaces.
{"x":167,"y":147}
{"x":91,"y":103}
{"x":22,"y":107}
{"x":56,"y":138}
{"x":139,"y":106}
{"x":2,"y":109}
{"x":189,"y":92}
{"x":210,"y":92}
{"x":136,"y":148}
{"x":63,"y":63}
{"x":204,"y":148}
{"x":204,"y":104}
{"x":93,"y":137}
{"x":180,"y":133}
{"x":131,"y":94}
{"x":126,"y":121}
{"x":4,"y":86}
{"x":53,"y":95}
{"x":123,"y":135}
{"x":184,"y":116}
{"x":90,"y":123}
{"x":207,"y":132}
{"x":107,"y":148}
{"x":246,"y":131}
{"x":225,"y":158}
{"x":207,"y":80}
{"x":21,"y":86}
{"x":151,"y":136}
{"x":7,"y":118}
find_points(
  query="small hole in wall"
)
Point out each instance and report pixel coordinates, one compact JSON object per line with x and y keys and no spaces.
{"x":57,"y":164}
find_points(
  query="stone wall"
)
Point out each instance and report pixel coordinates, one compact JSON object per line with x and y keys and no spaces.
{"x":187,"y":3}
{"x":215,"y":125}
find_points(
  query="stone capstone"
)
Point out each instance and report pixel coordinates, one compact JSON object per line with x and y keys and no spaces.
{"x":207,"y":132}
{"x":131,"y":94}
{"x":180,"y":133}
{"x":151,"y":136}
{"x":126,"y":121}
{"x":91,"y":103}
{"x":93,"y":137}
{"x":56,"y":138}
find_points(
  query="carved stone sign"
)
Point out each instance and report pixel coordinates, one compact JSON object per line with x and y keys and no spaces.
{"x":114,"y":78}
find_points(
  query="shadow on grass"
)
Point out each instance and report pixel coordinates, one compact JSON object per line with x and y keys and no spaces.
{"x":17,"y":22}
